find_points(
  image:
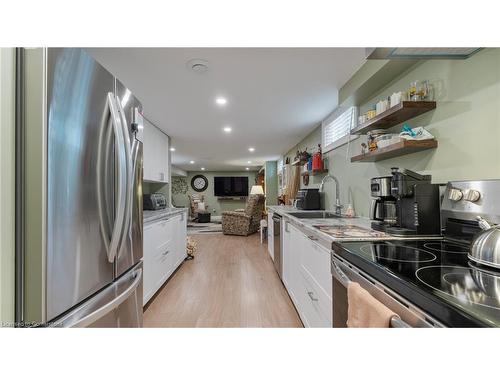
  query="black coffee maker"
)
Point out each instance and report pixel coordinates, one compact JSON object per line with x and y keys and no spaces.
{"x":417,"y":204}
{"x":383,"y":206}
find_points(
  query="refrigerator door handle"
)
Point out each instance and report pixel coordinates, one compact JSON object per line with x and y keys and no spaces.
{"x":128,"y":167}
{"x":113,"y":243}
{"x":107,"y":308}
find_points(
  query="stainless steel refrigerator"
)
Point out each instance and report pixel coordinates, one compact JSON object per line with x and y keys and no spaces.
{"x":79,"y":201}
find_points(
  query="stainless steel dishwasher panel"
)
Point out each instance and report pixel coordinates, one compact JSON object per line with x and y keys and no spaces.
{"x":278,"y":243}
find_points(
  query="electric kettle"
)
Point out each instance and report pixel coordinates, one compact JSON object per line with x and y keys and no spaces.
{"x":485,"y":249}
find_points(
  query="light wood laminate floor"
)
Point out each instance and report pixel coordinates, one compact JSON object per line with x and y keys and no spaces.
{"x":231,"y":282}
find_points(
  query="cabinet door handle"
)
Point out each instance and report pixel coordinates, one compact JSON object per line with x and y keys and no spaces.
{"x":312,"y":238}
{"x":311,"y":294}
{"x":166,"y":252}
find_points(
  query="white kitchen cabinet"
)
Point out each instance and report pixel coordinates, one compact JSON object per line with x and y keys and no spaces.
{"x":291,"y":260}
{"x":156,"y":154}
{"x":307,"y":276}
{"x":315,"y":305}
{"x":180,"y":234}
{"x":270,"y":235}
{"x":315,"y":259}
{"x":164,"y":251}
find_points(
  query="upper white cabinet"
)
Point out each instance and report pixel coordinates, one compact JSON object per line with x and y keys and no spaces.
{"x":156,"y":154}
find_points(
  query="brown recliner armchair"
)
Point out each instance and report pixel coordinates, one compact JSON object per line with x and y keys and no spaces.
{"x":246,"y":222}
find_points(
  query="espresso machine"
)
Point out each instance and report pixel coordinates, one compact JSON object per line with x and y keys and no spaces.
{"x":417,"y":204}
{"x":383,"y":206}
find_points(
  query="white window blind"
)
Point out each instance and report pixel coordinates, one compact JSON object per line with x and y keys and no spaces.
{"x":337,"y":127}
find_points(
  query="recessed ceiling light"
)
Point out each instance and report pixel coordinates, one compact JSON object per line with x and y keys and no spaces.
{"x":249,"y":162}
{"x":202,"y":168}
{"x":251,"y":149}
{"x":172,"y":149}
{"x":227,"y":129}
{"x":221,"y":101}
{"x":247,"y":168}
{"x":191,"y":162}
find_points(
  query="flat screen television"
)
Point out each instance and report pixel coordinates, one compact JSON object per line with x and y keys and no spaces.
{"x":231,"y":186}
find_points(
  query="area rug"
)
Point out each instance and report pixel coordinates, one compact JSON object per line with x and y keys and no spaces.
{"x":204,"y":228}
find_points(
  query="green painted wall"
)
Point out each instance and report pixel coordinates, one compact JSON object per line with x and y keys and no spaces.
{"x":7,"y":187}
{"x":271,"y":183}
{"x":213,"y":203}
{"x":154,"y":187}
{"x":466,"y":124}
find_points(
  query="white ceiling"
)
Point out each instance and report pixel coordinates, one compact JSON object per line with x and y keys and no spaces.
{"x":275,"y":96}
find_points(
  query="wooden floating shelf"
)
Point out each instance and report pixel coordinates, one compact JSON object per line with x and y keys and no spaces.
{"x":316,"y":172}
{"x":397,"y":149}
{"x":395,"y":115}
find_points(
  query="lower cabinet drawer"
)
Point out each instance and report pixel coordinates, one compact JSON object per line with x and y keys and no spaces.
{"x":316,"y":259}
{"x":163,"y":257}
{"x":315,"y":306}
{"x":158,"y":257}
{"x":164,"y":250}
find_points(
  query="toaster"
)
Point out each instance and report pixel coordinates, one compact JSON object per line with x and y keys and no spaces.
{"x":155,"y":201}
{"x":308,"y":199}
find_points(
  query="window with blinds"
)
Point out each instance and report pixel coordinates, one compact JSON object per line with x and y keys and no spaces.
{"x":337,"y":127}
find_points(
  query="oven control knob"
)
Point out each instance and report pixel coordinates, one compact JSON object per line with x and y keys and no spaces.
{"x":472,"y":195}
{"x":455,"y":195}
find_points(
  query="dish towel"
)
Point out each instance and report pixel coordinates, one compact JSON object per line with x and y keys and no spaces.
{"x":364,"y":311}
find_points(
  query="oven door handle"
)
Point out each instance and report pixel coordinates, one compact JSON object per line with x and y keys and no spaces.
{"x":340,"y":275}
{"x":396,"y":321}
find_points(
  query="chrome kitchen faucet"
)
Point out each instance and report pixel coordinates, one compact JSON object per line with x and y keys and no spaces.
{"x":338,"y":206}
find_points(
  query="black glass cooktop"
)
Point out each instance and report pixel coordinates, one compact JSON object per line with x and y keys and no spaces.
{"x":434,"y":275}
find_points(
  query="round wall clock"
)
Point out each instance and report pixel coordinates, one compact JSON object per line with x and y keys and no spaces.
{"x":199,"y":183}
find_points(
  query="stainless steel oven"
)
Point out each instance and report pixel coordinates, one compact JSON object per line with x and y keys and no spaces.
{"x":344,"y":272}
{"x":278,"y":244}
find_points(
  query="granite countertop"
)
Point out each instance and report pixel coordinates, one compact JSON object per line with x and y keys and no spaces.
{"x":363,"y":223}
{"x":150,"y":216}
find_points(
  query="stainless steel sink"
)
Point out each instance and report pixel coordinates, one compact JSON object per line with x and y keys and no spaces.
{"x":316,"y":215}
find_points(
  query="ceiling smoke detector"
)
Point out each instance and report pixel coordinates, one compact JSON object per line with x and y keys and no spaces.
{"x":197,"y":65}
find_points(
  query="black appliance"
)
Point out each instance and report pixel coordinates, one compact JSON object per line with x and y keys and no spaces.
{"x":308,"y":199}
{"x":417,"y":204}
{"x":435,"y":276}
{"x":155,"y":201}
{"x":204,"y":217}
{"x":227,"y":186}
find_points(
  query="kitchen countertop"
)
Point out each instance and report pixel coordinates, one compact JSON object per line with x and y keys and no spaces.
{"x":309,"y":225}
{"x":150,"y":216}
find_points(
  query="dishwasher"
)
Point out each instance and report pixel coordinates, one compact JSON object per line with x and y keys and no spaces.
{"x":278,"y":245}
